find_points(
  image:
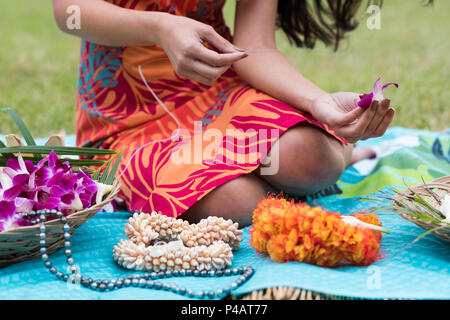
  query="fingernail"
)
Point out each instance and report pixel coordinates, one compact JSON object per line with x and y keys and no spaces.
{"x":239,"y":49}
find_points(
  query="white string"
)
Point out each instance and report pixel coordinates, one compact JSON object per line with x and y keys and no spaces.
{"x":174,"y":137}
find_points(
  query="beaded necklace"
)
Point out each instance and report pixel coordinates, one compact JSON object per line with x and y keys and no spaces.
{"x":145,"y":280}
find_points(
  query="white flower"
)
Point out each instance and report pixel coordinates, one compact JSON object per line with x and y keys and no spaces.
{"x":101,"y":191}
{"x":445,"y":208}
{"x":353,"y":221}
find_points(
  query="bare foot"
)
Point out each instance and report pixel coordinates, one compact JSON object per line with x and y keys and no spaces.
{"x":362,"y":153}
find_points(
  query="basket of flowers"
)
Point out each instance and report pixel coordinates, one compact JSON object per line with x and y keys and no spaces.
{"x":50,"y":177}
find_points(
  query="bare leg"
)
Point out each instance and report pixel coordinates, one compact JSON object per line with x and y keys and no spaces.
{"x":310,"y":159}
{"x":234,"y":200}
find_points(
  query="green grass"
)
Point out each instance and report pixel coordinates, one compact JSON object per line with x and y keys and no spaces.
{"x":39,"y":64}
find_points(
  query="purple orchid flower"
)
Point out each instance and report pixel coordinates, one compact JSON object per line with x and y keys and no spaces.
{"x":51,"y":184}
{"x":376,"y":95}
{"x":8,"y":219}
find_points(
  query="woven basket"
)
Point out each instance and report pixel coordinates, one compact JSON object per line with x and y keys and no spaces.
{"x":22,"y":244}
{"x":440,"y":187}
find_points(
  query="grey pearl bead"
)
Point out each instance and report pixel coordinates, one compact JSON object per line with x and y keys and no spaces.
{"x":111,"y":286}
{"x":135,"y":282}
{"x":43,"y":251}
{"x":70,"y":261}
{"x":212,"y":273}
{"x":42,"y":243}
{"x":189,"y":272}
{"x":227,"y":272}
{"x":166,"y":286}
{"x":53,"y":270}
{"x":67,"y":244}
{"x":42,"y":236}
{"x":67,"y":235}
{"x":150,"y":283}
{"x":66,"y":228}
{"x":45,"y":257}
{"x":211,"y":294}
{"x":42,"y":228}
{"x":182,"y":290}
{"x":153,"y":275}
{"x":59,"y":275}
{"x":48,"y":264}
{"x":219,"y":292}
{"x":235,"y":271}
{"x":93,"y":285}
{"x":200,"y":294}
{"x":142,"y":283}
{"x":102,"y":287}
{"x":158,"y":285}
{"x":68,"y":253}
{"x":191,"y":293}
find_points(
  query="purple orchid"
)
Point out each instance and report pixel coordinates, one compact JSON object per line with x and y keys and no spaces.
{"x":376,"y":95}
{"x":51,"y":184}
{"x":8,"y":219}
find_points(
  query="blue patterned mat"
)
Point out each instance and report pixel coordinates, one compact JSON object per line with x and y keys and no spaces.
{"x":420,"y":271}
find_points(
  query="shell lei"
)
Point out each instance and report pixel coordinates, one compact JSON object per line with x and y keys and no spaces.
{"x":206,"y":245}
{"x":289,"y":231}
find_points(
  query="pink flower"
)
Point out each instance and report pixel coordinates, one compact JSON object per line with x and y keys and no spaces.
{"x":8,"y":219}
{"x":376,"y":95}
{"x":51,"y":184}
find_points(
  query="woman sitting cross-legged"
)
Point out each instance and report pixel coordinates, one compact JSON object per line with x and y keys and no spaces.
{"x":235,"y":119}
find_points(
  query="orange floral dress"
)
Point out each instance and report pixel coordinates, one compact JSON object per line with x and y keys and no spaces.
{"x":115,"y":110}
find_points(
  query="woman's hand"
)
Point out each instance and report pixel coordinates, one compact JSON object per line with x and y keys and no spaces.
{"x":182,"y":40}
{"x":340,"y":111}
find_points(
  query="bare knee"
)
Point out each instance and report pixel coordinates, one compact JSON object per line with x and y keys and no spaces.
{"x":310,"y":160}
{"x":236,"y":200}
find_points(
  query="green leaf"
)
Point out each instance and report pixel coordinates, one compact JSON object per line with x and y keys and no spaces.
{"x":73,"y":151}
{"x":112,"y":174}
{"x":428,"y":208}
{"x":22,"y":128}
{"x":73,"y":162}
{"x":104,"y":175}
{"x":5,"y":155}
{"x":21,"y":125}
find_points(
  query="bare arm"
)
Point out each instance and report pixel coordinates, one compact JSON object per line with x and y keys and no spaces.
{"x":108,"y":24}
{"x":268,"y":70}
{"x":180,"y":37}
{"x":265,"y":65}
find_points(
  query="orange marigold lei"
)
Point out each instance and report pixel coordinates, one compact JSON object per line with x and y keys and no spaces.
{"x":289,"y":231}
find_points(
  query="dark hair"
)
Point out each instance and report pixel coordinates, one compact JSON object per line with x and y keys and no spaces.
{"x":304,"y":22}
